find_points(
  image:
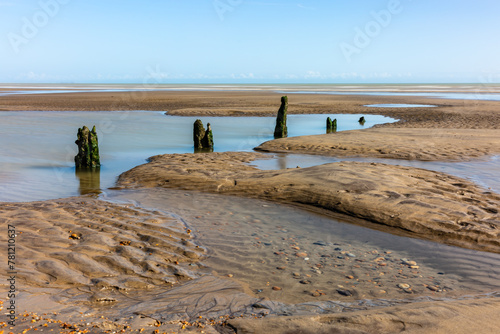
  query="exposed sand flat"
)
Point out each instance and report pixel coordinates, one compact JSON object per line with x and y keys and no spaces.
{"x":458,"y":317}
{"x":426,"y":204}
{"x":97,"y":269}
{"x":406,"y":144}
{"x":449,"y":114}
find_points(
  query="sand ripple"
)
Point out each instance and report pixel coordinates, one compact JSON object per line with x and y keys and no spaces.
{"x":82,"y":241}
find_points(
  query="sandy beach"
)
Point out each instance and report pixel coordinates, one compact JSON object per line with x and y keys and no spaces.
{"x":143,"y":268}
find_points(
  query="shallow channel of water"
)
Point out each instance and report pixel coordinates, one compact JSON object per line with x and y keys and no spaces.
{"x":37,"y":148}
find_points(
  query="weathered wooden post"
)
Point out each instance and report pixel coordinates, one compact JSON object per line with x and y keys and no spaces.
{"x":88,"y":149}
{"x":281,"y":131}
{"x":203,"y":139}
{"x":331,"y":126}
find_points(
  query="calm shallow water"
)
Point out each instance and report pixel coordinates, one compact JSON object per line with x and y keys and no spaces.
{"x":483,"y":172}
{"x":399,"y":105}
{"x":37,"y":148}
{"x":484,"y":91}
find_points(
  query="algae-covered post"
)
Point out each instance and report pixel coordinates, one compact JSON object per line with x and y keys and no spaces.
{"x":362,"y":120}
{"x":281,"y":131}
{"x":198,"y":134}
{"x":331,"y":126}
{"x":88,"y":149}
{"x":208,"y":139}
{"x":203,"y":139}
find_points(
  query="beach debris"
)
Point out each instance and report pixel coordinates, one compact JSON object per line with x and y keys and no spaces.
{"x":88,"y":148}
{"x":281,"y":131}
{"x":331,"y":126}
{"x":203,"y":139}
{"x":362,"y":120}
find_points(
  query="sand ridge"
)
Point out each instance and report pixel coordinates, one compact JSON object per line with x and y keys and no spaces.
{"x":426,"y":204}
{"x":395,"y":143}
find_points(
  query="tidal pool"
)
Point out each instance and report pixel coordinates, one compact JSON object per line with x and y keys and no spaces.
{"x":37,"y":148}
{"x":399,"y":105}
{"x":483,"y":172}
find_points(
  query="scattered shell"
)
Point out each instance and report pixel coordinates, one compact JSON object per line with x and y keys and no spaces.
{"x":403,"y":286}
{"x":301,"y":254}
{"x":229,"y":275}
{"x":276,"y":288}
{"x":409,"y":263}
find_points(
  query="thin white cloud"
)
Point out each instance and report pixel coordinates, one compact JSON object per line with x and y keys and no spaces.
{"x":305,"y":7}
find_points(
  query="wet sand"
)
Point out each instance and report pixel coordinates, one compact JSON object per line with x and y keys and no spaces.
{"x":399,"y":143}
{"x":406,"y":200}
{"x":449,"y":114}
{"x":423,"y":203}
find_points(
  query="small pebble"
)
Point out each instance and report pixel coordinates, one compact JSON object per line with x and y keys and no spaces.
{"x":229,"y":275}
{"x":301,"y":254}
{"x":344,"y":292}
{"x":281,"y":268}
{"x":305,"y":281}
{"x":403,"y":286}
{"x":276,"y":288}
{"x":320,"y":243}
{"x":350,"y":277}
{"x":351,"y":255}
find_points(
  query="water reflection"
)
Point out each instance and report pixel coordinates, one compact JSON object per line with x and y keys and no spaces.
{"x":203,"y":150}
{"x":90,"y":180}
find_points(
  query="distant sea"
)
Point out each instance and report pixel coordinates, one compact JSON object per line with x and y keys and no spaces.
{"x":449,"y":91}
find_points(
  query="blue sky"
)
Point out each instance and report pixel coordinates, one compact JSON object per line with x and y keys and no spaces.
{"x":243,"y":41}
